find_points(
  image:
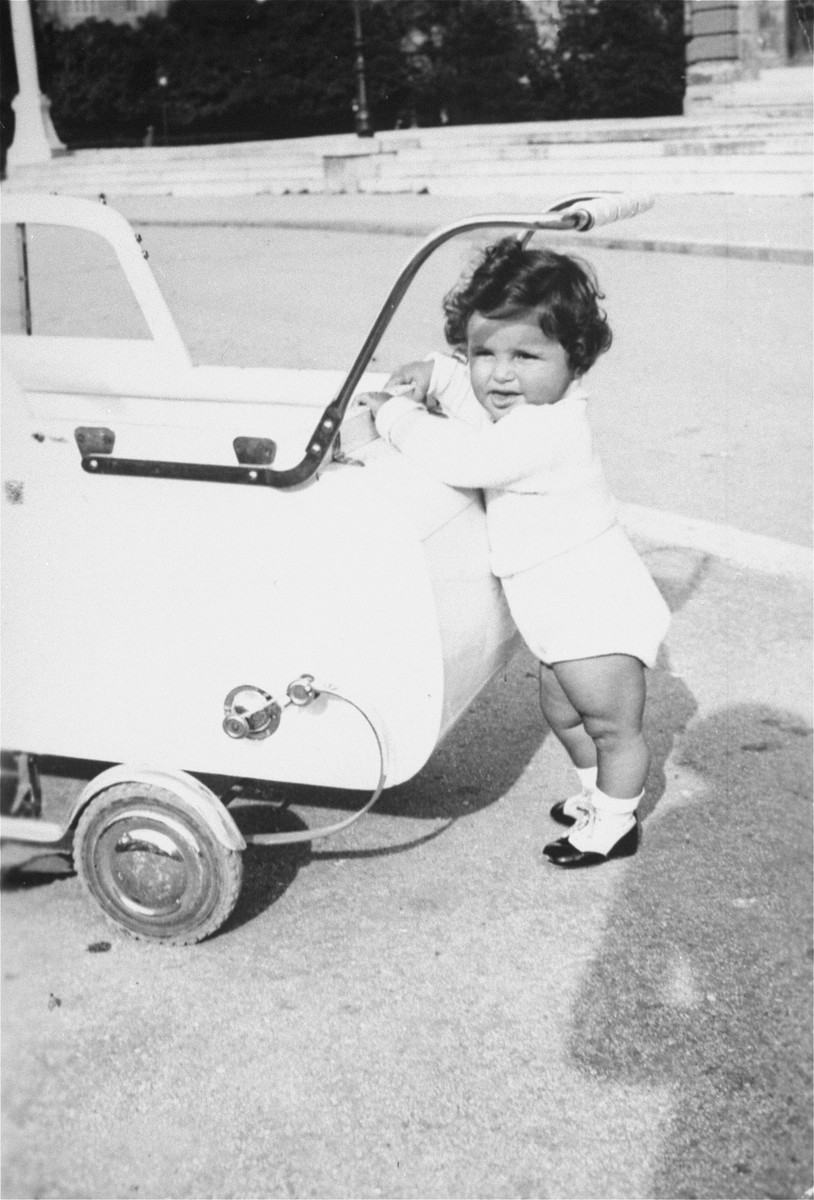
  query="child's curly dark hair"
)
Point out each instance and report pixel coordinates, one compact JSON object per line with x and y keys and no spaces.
{"x":510,"y":278}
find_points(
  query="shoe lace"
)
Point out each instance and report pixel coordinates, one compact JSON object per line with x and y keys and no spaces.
{"x":586,"y":814}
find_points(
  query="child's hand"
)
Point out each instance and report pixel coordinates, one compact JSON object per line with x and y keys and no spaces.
{"x":411,"y":380}
{"x":372,"y":400}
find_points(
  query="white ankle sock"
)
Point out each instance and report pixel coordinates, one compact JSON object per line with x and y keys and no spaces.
{"x":587,"y":777}
{"x":576,"y":803}
{"x":610,"y":819}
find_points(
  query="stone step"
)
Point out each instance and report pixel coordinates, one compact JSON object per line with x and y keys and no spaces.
{"x":660,"y":129}
{"x":422,"y":165}
{"x":171,"y":156}
{"x":774,"y":91}
{"x":733,"y":155}
{"x":68,"y":165}
{"x":202,"y":183}
{"x":800,"y":143}
{"x":81,"y":171}
{"x":62,"y":174}
{"x":547,"y":136}
{"x":412,"y":159}
{"x":697,"y":164}
{"x":676,"y":183}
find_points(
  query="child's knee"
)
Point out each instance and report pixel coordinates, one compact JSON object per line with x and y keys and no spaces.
{"x":610,"y":730}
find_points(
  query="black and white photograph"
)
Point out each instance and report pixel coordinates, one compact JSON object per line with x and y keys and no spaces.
{"x":406,"y":599}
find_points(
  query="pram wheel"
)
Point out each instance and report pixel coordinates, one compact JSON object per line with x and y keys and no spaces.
{"x":154,"y":866}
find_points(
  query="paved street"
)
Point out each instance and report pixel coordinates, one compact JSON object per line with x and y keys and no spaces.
{"x":419,"y":1008}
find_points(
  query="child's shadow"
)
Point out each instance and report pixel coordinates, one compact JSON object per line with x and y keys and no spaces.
{"x":670,"y":704}
{"x":710,"y":997}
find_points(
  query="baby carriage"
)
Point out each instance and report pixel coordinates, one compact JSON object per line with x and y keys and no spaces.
{"x":149,"y":629}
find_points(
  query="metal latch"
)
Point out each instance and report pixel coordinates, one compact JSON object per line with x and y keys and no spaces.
{"x":251,"y":712}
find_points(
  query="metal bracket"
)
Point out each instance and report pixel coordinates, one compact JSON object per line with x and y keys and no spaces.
{"x":94,"y":439}
{"x":23,"y":277}
{"x":254,"y":451}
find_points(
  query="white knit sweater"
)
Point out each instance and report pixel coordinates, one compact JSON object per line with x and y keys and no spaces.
{"x":544,"y":485}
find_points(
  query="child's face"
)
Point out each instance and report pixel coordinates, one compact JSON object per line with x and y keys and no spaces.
{"x":512,"y":362}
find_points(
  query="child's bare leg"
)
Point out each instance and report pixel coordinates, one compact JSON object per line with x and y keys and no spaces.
{"x":564,"y":720}
{"x":566,"y":725}
{"x":608,"y":693}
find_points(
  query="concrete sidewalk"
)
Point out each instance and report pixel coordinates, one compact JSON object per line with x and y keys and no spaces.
{"x":768,"y":228}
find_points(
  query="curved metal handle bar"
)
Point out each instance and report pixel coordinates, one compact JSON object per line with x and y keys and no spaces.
{"x":575,"y":213}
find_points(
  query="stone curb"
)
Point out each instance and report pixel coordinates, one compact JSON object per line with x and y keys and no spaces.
{"x":752,"y":551}
{"x":756,"y":253}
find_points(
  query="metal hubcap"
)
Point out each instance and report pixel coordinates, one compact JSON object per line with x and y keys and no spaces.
{"x":150,"y":864}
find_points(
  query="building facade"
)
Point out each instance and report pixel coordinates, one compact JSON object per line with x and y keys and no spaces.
{"x":736,"y":39}
{"x":68,"y":13}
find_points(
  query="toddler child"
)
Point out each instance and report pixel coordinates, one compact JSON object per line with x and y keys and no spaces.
{"x":529,"y":325}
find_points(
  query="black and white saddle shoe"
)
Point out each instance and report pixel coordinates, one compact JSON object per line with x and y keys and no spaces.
{"x":581,"y":802}
{"x":563,"y":854}
{"x":557,"y":813}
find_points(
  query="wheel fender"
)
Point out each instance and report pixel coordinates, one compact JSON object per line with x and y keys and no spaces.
{"x":187,"y":790}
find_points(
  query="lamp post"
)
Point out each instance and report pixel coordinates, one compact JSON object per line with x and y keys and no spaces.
{"x":361,"y":114}
{"x":35,"y":139}
{"x":162,"y":79}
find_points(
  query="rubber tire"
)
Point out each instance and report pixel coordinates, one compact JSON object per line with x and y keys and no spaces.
{"x":203,"y":890}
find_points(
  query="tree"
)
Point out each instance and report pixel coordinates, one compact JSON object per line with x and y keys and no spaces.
{"x":619,"y":58}
{"x":233,"y":68}
{"x":470,"y":61}
{"x":285,"y":68}
{"x":99,"y":77}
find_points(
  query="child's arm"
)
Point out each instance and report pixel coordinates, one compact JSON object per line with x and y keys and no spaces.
{"x":420,"y":381}
{"x":455,"y":453}
{"x":411,"y":380}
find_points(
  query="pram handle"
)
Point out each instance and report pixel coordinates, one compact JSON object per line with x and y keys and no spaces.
{"x":572,"y":213}
{"x":601,"y":210}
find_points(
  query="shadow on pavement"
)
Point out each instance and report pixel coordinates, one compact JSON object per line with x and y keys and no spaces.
{"x":703,"y":983}
{"x":670,"y":703}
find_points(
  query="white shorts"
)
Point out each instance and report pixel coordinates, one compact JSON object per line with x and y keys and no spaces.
{"x":598,"y":598}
